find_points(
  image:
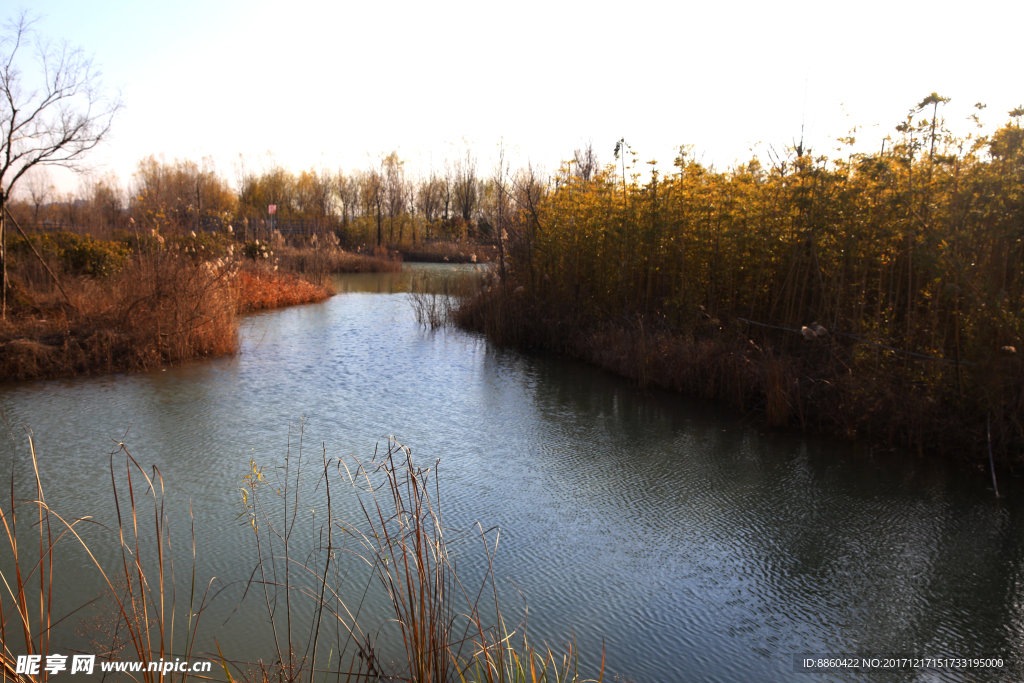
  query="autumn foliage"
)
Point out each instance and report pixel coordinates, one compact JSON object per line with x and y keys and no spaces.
{"x":259,"y":290}
{"x":877,"y":294}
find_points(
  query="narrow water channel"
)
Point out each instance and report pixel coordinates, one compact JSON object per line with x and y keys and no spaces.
{"x":691,"y":544}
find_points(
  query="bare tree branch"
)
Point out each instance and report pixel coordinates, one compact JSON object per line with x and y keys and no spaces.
{"x":51,"y":115}
{"x":54,"y":114}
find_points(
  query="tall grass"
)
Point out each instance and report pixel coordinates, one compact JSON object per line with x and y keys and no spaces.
{"x":435,"y":297}
{"x":158,"y":309}
{"x":96,"y":307}
{"x":449,"y":252}
{"x":442,"y":629}
{"x":142,"y":585}
{"x":447,"y":630}
{"x":259,"y":289}
{"x":909,"y":258}
{"x":318,"y":262}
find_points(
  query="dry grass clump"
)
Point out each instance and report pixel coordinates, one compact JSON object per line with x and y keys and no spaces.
{"x":258,"y":289}
{"x":829,"y":385}
{"x":140,"y":585}
{"x":908,"y":262}
{"x":317,"y":261}
{"x":159,"y":309}
{"x":446,"y":630}
{"x":161,"y":306}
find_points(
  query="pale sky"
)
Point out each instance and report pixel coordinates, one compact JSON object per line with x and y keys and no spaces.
{"x":338,"y":84}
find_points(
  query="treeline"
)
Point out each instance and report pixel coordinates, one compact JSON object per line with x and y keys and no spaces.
{"x":875,"y":293}
{"x":383,"y":205}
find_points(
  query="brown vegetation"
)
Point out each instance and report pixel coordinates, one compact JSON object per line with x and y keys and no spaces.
{"x":156,"y":311}
{"x":450,"y":252}
{"x":450,"y":630}
{"x":317,"y":261}
{"x":262,"y":289}
{"x":878,"y":295}
{"x":86,"y":307}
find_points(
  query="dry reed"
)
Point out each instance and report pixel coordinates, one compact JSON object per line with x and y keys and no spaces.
{"x":410,"y":552}
{"x":164,"y":307}
{"x":444,"y":633}
{"x":160,"y":309}
{"x":259,"y":289}
{"x":142,"y":584}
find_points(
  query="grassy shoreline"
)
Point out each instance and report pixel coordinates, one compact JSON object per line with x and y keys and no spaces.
{"x":136,"y":337}
{"x":777,"y":377}
{"x":875,"y":295}
{"x":79,"y":306}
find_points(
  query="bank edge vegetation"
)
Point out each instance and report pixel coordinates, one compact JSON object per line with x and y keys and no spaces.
{"x":875,"y":294}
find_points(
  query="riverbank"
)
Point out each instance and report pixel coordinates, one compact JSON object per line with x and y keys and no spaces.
{"x":830,"y":383}
{"x":261,"y":290}
{"x":158,"y":310}
{"x":875,"y":295}
{"x":316,"y":260}
{"x":449,"y":252}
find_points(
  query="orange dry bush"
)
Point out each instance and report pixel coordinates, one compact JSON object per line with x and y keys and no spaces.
{"x":160,"y":309}
{"x":259,"y":290}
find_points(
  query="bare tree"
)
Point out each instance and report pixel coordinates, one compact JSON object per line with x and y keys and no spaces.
{"x":500,"y":211}
{"x":586,"y":162}
{"x":372,"y":196}
{"x":448,"y":189}
{"x":430,"y":197}
{"x":466,"y":190}
{"x":107,"y":200}
{"x":347,"y":189}
{"x":51,"y":118}
{"x":40,"y":189}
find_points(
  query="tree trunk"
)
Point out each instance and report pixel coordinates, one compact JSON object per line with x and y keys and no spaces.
{"x":3,"y":255}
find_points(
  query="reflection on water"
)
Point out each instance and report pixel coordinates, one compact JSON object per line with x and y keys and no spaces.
{"x":694,"y":546}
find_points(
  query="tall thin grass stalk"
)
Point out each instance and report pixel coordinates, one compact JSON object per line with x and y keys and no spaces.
{"x":410,"y":554}
{"x":445,"y":631}
{"x":143,"y":587}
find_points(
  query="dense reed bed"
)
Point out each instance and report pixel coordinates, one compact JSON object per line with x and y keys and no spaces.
{"x":444,"y":630}
{"x":873,"y":295}
{"x":263,"y":289}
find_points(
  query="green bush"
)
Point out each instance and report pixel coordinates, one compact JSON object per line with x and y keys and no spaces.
{"x":201,"y":245}
{"x":95,"y":258}
{"x":78,"y":254}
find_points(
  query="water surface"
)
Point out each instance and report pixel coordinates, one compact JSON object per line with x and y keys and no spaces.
{"x":693,"y":545}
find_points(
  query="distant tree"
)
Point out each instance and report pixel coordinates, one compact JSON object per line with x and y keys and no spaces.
{"x":106,"y":200}
{"x":430,"y":197}
{"x":53,"y":109}
{"x":585,"y":162}
{"x":39,"y":187}
{"x":447,"y":189}
{"x":372,"y":196}
{"x":346,"y":188}
{"x":466,"y":192}
{"x":395,"y":191}
{"x":180,"y":193}
{"x":274,"y":184}
{"x":314,"y":194}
